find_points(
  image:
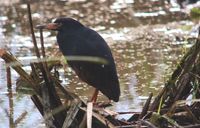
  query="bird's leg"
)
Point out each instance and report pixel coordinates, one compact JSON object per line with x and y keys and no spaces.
{"x":94,"y":97}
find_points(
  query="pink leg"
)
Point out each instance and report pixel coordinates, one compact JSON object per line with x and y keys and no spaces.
{"x":94,"y":97}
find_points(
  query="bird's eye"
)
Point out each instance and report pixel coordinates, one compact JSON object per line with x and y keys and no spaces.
{"x":59,"y":24}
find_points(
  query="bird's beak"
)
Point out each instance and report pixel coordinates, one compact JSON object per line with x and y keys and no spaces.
{"x":50,"y":26}
{"x":53,"y":26}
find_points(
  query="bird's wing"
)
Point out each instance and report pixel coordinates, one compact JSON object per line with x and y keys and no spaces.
{"x":101,"y":76}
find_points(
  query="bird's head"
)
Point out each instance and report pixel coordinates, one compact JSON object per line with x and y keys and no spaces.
{"x":64,"y":24}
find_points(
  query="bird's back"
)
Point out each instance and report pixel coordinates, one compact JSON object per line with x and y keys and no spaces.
{"x":87,"y":42}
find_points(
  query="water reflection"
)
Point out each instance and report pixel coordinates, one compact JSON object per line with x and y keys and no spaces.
{"x":144,"y":55}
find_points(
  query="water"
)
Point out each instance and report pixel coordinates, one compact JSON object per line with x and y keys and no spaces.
{"x":145,"y":55}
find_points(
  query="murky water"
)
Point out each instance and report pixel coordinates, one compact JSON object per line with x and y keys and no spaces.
{"x":145,"y":54}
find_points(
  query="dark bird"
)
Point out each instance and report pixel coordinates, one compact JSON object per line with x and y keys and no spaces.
{"x":75,"y":39}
